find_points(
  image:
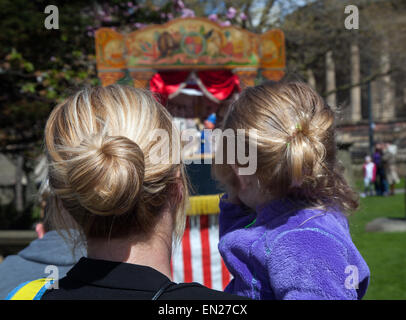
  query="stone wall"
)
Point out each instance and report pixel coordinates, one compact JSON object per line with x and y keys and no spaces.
{"x":356,"y":136}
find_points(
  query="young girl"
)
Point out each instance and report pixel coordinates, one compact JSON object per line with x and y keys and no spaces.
{"x":283,"y":231}
{"x":369,"y":170}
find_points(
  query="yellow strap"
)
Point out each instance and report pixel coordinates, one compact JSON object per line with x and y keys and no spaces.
{"x":207,"y":204}
{"x":31,"y":289}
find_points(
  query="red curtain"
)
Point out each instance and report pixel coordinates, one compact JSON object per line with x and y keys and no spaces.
{"x":168,"y":82}
{"x":220,"y":84}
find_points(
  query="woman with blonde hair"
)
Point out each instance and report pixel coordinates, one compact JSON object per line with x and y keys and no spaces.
{"x":106,"y":183}
{"x":283,"y":230}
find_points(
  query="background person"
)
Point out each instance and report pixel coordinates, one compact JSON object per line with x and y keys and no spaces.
{"x":369,"y":171}
{"x":30,"y":263}
{"x":389,"y":162}
{"x":206,"y":136}
{"x":380,"y":181}
{"x":127,"y":205}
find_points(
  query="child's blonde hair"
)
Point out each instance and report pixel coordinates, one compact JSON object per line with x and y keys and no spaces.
{"x":98,"y":147}
{"x":296,"y":149}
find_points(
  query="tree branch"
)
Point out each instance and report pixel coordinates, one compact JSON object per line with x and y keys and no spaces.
{"x":265,"y":13}
{"x":248,"y":14}
{"x":365,"y":81}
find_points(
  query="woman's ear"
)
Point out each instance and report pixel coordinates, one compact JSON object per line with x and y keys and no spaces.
{"x":177,"y":190}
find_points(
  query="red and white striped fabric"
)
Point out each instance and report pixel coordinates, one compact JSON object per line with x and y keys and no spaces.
{"x":197,"y":258}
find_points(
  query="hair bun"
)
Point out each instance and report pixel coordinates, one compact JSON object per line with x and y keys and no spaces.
{"x":306,"y":152}
{"x":107,"y":174}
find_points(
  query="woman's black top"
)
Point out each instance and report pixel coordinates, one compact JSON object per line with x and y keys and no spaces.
{"x":99,"y":279}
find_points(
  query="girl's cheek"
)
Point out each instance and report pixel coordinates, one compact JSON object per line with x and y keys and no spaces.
{"x":248,"y":198}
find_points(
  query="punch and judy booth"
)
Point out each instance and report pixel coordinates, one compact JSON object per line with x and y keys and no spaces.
{"x":196,"y":67}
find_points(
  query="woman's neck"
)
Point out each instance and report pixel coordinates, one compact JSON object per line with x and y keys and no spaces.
{"x":154,"y":253}
{"x":153,"y":250}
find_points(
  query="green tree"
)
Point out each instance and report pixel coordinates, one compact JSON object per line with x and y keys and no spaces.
{"x":39,"y":67}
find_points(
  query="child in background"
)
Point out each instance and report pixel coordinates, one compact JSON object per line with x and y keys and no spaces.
{"x":369,"y":169}
{"x":206,"y":136}
{"x":283,"y":230}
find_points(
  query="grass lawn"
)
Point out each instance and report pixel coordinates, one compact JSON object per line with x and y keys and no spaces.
{"x":359,"y":184}
{"x":385,"y":253}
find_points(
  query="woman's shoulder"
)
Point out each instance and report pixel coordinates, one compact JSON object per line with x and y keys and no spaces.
{"x":177,"y":291}
{"x":196,"y":291}
{"x":108,"y":280}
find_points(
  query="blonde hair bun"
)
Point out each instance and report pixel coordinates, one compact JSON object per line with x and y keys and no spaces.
{"x":98,"y":143}
{"x":107,"y":174}
{"x":296,"y":147}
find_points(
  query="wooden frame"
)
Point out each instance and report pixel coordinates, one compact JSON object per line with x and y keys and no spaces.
{"x":188,"y":44}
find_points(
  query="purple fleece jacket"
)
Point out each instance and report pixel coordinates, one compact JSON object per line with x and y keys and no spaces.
{"x":283,"y":252}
